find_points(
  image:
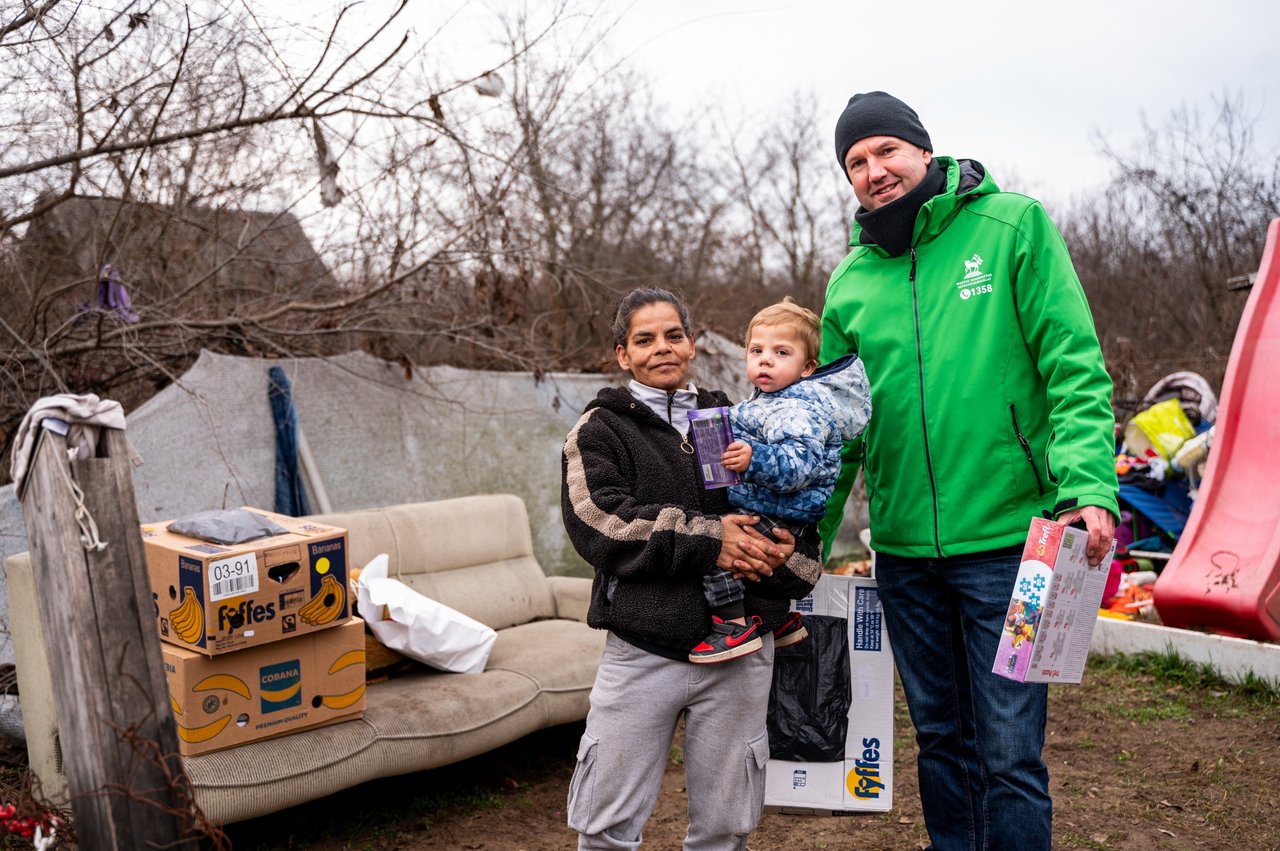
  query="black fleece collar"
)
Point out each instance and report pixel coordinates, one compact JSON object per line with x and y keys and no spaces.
{"x":892,"y":225}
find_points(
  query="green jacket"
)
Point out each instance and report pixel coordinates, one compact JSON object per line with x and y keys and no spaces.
{"x":992,"y":403}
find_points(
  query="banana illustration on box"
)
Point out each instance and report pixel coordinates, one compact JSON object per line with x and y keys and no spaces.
{"x":346,"y":660}
{"x":227,"y":682}
{"x":342,"y":701}
{"x":195,"y":735}
{"x":187,"y":620}
{"x":326,"y":605}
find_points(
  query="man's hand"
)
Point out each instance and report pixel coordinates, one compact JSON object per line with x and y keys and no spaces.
{"x":746,"y":553}
{"x":737,"y":457}
{"x":1101,"y":526}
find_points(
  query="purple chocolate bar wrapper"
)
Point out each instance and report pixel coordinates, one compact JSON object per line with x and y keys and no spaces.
{"x":711,"y":435}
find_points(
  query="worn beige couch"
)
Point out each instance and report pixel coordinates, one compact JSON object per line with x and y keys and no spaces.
{"x":474,"y":554}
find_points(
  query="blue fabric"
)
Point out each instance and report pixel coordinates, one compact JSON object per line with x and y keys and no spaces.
{"x":983,"y":783}
{"x":796,"y":435}
{"x":1167,"y":512}
{"x":291,"y":496}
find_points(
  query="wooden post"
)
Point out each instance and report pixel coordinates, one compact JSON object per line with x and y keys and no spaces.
{"x":116,"y":730}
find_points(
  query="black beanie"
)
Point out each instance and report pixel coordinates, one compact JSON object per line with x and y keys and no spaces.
{"x":878,"y":114}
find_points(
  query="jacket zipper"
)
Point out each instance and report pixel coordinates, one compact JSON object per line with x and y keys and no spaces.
{"x":1026,"y":449}
{"x":924,"y":421}
{"x":866,"y":476}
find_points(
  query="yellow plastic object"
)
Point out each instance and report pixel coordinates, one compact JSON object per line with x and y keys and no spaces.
{"x":1164,"y":427}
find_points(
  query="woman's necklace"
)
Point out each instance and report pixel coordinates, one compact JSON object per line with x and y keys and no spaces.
{"x":685,"y":446}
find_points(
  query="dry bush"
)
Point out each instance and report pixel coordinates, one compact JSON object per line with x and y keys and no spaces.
{"x":1158,"y":252}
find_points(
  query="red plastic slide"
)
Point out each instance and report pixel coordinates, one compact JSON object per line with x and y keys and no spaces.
{"x":1224,"y":574}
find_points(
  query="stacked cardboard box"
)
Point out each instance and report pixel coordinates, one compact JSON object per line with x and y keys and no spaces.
{"x":863,"y":780}
{"x":258,"y":638}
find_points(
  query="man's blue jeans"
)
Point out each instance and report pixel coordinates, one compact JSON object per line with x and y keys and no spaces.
{"x":983,"y":784}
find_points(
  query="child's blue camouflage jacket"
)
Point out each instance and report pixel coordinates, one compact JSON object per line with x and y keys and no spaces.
{"x":795,"y":436}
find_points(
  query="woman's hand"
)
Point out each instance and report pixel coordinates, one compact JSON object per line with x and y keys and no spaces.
{"x":746,"y":553}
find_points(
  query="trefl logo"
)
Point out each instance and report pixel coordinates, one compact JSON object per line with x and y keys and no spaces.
{"x":864,"y":781}
{"x":247,"y":613}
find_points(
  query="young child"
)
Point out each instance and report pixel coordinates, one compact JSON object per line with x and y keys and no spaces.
{"x":787,"y":441}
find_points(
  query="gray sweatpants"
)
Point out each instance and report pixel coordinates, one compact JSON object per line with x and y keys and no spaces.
{"x":636,"y":702}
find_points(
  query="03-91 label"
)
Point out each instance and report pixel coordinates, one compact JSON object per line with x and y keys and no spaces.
{"x":231,"y":577}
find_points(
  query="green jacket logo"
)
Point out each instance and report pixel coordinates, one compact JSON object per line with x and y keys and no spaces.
{"x":975,"y":281}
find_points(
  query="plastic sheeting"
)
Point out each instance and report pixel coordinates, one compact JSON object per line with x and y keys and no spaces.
{"x":812,"y":692}
{"x":378,"y":437}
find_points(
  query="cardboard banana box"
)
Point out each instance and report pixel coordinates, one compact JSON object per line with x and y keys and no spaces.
{"x":266,"y":691}
{"x":214,"y":598}
{"x":863,"y":780}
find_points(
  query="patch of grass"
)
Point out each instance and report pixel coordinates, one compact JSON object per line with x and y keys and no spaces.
{"x":1173,"y":669}
{"x":1075,"y":840}
{"x":1148,"y":712}
{"x":676,"y":755}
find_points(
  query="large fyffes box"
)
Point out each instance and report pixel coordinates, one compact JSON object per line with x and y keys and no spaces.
{"x":1053,"y":607}
{"x":214,"y":598}
{"x":268,"y":690}
{"x":863,"y":780}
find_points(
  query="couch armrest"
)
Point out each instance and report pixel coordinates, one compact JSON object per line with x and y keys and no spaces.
{"x":572,"y":596}
{"x":35,"y":682}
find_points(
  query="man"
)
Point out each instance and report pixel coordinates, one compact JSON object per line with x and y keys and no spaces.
{"x":992,"y":405}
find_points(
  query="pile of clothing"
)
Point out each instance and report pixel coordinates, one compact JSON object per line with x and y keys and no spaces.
{"x":1159,"y":464}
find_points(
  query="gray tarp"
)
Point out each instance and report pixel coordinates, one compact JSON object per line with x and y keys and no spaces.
{"x":377,"y":437}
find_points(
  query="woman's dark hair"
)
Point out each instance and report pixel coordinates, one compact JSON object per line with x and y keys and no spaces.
{"x":643,"y":297}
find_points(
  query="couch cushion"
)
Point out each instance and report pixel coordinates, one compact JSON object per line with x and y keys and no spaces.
{"x":558,"y":655}
{"x":368,"y":533}
{"x":266,"y":776}
{"x":561,"y":656}
{"x":427,"y":720}
{"x":453,"y":533}
{"x":411,"y":723}
{"x":473,"y":553}
{"x":499,"y":595}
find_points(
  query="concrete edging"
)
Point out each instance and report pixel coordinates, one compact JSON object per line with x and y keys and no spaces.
{"x":1232,"y":658}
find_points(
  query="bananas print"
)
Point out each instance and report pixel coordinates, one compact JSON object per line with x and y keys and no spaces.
{"x":326,"y":605}
{"x":351,"y":657}
{"x":228,"y":682}
{"x":188,"y":619}
{"x":342,"y":701}
{"x":173,"y":704}
{"x":195,"y":735}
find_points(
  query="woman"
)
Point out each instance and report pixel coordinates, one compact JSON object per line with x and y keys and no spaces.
{"x":635,"y":508}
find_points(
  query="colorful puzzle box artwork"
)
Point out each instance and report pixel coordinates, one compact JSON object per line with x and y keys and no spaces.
{"x":1053,"y":607}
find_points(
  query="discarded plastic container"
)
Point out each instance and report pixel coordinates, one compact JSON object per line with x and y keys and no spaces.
{"x":711,"y":434}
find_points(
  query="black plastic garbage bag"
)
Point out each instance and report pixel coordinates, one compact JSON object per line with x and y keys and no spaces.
{"x":812,"y":691}
{"x":226,"y":526}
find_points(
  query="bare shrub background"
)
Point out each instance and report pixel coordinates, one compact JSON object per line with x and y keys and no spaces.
{"x":280,"y":191}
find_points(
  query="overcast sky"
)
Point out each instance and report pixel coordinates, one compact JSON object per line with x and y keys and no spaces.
{"x":1028,"y":88}
{"x":1021,"y":86}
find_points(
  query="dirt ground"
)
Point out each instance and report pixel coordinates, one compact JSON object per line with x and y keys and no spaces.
{"x":1134,"y":765}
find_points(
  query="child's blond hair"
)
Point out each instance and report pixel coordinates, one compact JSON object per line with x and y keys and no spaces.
{"x":802,"y":320}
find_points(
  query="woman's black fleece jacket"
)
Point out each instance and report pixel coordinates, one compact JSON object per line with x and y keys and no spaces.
{"x":635,"y":509}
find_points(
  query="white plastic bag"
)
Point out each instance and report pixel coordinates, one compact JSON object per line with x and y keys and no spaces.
{"x":419,"y":627}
